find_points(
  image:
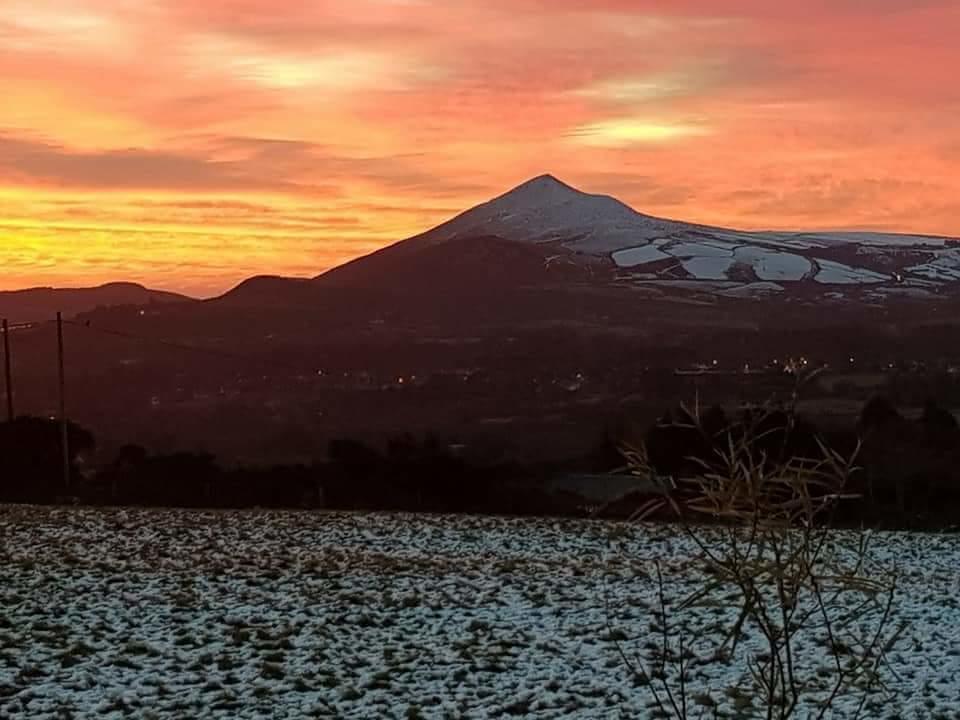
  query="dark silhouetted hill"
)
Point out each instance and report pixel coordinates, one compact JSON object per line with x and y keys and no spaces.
{"x":42,"y":303}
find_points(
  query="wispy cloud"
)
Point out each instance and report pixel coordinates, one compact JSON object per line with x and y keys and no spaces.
{"x":624,"y":132}
{"x":32,"y":162}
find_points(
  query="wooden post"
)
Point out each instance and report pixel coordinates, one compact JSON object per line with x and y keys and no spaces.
{"x":7,"y":370}
{"x":64,"y":435}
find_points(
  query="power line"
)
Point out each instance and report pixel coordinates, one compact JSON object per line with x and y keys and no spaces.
{"x":157,"y":341}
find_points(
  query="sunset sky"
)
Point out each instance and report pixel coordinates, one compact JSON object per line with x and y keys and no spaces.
{"x":188,"y":144}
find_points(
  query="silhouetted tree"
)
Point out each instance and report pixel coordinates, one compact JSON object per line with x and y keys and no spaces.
{"x":879,"y":413}
{"x":889,"y":453}
{"x":31,"y":459}
{"x":606,"y":456}
{"x":356,"y":475}
{"x":119,"y":474}
{"x":939,"y":424}
{"x":673,"y":440}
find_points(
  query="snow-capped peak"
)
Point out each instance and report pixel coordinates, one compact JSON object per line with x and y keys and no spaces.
{"x":546,"y":209}
{"x":540,"y":191}
{"x":547,"y":191}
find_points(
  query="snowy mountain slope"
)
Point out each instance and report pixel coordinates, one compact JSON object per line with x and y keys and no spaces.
{"x":546,"y":210}
{"x":586,"y":228}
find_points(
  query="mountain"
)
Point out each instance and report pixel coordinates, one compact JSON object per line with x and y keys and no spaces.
{"x":545,"y":231}
{"x":42,"y":303}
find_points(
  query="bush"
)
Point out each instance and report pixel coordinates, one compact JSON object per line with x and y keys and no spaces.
{"x":758,"y":516}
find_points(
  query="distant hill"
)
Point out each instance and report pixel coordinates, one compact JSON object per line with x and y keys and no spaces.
{"x":42,"y":303}
{"x":266,"y":291}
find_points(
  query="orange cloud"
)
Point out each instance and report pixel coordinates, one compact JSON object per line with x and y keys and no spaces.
{"x":189,"y":143}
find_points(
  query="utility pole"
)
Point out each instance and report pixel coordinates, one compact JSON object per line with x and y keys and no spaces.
{"x":7,"y":369}
{"x":64,"y":435}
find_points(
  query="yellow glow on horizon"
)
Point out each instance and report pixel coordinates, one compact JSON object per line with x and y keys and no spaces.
{"x":199,"y":243}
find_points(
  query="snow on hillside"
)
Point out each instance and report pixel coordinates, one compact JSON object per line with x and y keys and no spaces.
{"x":546,"y":210}
{"x":946,"y":267}
{"x":871,"y":238}
{"x":639,"y":256}
{"x":774,"y":265}
{"x":834,"y":273}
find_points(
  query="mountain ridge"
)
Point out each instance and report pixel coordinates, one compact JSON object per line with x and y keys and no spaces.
{"x":599,"y":230}
{"x":41,"y":303}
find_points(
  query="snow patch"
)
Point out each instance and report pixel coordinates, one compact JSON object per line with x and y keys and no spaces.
{"x":946,"y":267}
{"x":638,"y":256}
{"x":699,"y":250}
{"x":708,"y":268}
{"x":834,"y":273}
{"x":774,"y":265}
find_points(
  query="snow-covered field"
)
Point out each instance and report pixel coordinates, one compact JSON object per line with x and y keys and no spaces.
{"x":179,"y":614}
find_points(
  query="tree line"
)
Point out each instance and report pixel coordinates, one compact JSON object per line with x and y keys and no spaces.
{"x":908,"y":470}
